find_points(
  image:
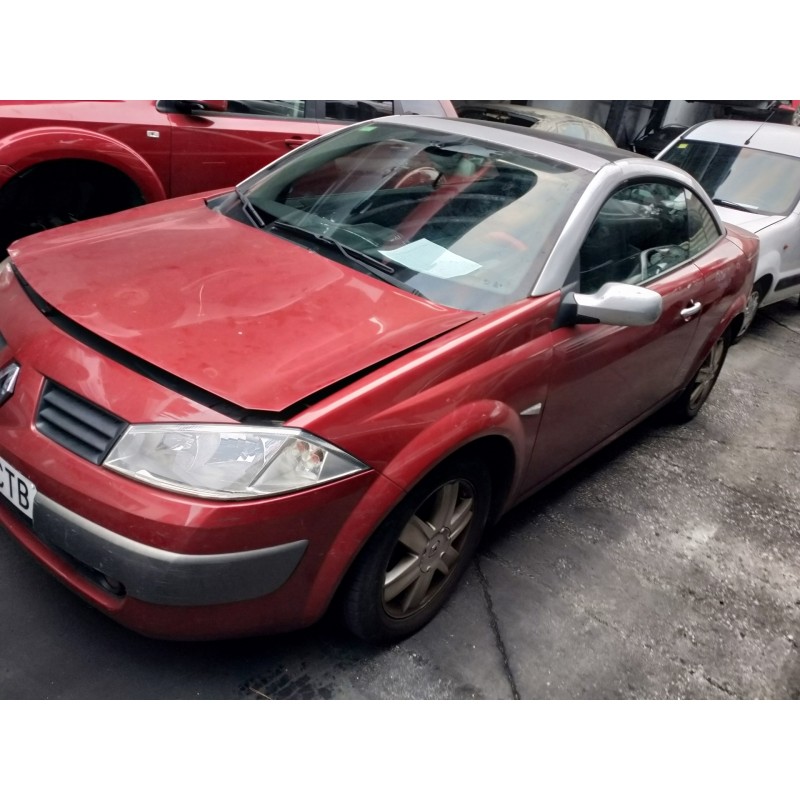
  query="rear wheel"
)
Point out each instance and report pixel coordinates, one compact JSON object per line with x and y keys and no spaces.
{"x":753,"y":302}
{"x":687,"y":405}
{"x":414,"y":560}
{"x":57,"y":193}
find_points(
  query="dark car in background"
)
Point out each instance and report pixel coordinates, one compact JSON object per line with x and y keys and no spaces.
{"x":651,"y":141}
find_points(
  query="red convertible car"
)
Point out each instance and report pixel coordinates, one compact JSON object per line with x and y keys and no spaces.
{"x":226,"y":413}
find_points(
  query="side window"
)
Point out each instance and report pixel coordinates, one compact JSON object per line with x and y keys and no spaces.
{"x":642,"y":231}
{"x":268,"y":108}
{"x":702,"y":230}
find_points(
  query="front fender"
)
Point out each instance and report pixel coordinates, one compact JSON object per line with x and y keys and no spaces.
{"x":24,"y":149}
{"x":768,"y":265}
{"x":464,"y":427}
{"x":460,"y":428}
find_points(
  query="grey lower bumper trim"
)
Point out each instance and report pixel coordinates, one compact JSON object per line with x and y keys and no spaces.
{"x":159,"y":576}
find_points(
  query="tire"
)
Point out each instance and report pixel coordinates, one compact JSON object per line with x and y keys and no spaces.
{"x":414,"y":560}
{"x":753,"y":303}
{"x":688,"y":404}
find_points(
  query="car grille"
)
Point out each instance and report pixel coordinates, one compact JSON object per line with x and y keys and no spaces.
{"x":82,"y":427}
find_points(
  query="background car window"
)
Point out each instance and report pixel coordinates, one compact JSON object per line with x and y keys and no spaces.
{"x":268,"y":108}
{"x":572,"y":129}
{"x":643,"y":231}
{"x":756,"y":180}
{"x":358,"y":110}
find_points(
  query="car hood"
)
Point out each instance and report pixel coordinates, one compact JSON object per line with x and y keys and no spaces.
{"x":242,"y":313}
{"x":747,"y":219}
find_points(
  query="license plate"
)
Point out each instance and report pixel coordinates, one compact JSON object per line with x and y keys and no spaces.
{"x":16,"y":489}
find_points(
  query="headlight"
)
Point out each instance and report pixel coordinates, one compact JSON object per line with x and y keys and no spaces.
{"x":6,"y":273}
{"x":228,"y":462}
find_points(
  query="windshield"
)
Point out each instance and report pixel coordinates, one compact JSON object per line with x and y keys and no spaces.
{"x":753,"y":180}
{"x":460,"y":221}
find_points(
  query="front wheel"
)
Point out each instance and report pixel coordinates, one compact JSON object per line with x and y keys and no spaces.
{"x":414,"y":560}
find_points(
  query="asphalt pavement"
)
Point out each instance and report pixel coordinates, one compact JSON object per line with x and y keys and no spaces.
{"x":667,"y":566}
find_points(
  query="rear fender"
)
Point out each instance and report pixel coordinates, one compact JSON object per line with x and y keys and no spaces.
{"x":728,"y":325}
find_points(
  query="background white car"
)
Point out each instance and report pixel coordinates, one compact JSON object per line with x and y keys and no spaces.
{"x":542,"y":119}
{"x":751,"y":170}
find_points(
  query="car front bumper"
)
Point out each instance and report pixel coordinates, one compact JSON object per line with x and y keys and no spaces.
{"x":154,"y":575}
{"x":215,"y":588}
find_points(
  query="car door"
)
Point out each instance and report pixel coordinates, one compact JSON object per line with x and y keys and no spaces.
{"x":212,"y":149}
{"x":605,"y":377}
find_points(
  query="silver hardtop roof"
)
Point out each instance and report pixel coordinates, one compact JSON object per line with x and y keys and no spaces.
{"x":568,"y":150}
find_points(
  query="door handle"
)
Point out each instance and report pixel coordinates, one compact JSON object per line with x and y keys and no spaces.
{"x":296,"y":141}
{"x":691,"y":310}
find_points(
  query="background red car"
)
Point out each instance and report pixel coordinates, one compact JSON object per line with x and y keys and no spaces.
{"x":67,"y":160}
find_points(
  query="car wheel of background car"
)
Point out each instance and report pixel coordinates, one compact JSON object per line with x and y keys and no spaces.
{"x":753,"y":302}
{"x":53,"y":194}
{"x":687,"y":405}
{"x":413,"y":562}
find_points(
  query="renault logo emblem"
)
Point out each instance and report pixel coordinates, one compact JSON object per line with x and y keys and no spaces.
{"x":8,"y":379}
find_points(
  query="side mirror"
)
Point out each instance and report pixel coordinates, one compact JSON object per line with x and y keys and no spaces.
{"x":612,"y":304}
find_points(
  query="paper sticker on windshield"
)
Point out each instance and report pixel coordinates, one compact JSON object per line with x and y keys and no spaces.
{"x":431,"y":259}
{"x":683,"y":145}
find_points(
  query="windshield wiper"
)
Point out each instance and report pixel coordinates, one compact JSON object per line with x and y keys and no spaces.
{"x":718,"y":201}
{"x":372,"y":265}
{"x":249,"y":208}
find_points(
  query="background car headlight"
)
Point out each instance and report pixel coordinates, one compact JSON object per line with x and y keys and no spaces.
{"x":228,"y":462}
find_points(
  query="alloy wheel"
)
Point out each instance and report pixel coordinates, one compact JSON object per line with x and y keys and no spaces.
{"x":707,"y":375}
{"x":428,"y":548}
{"x":750,"y":309}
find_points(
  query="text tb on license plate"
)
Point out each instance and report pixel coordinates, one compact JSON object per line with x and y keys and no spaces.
{"x":18,"y":490}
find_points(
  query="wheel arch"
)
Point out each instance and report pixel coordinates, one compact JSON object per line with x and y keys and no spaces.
{"x":497,"y":454}
{"x":493,"y":447}
{"x":22,"y":152}
{"x":767,"y":268}
{"x":484,"y":429}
